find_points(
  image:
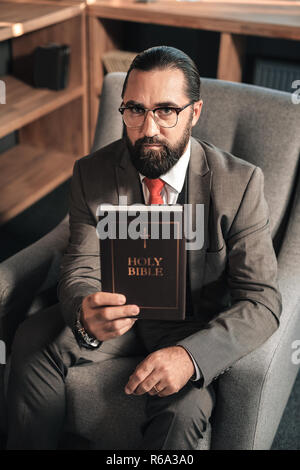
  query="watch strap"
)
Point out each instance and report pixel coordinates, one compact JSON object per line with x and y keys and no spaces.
{"x":84,"y":338}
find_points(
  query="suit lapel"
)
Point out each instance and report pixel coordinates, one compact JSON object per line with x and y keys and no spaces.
{"x":200,"y":178}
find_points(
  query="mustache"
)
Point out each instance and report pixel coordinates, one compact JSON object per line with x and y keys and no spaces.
{"x":148,"y":140}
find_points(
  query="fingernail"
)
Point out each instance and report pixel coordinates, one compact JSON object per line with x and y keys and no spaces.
{"x":121,"y":299}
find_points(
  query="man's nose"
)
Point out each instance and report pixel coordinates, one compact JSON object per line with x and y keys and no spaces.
{"x":150,"y":128}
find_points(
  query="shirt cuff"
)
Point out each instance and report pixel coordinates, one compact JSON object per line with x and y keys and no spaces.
{"x":197,"y":375}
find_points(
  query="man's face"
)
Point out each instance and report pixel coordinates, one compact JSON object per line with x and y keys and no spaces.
{"x":154,"y":149}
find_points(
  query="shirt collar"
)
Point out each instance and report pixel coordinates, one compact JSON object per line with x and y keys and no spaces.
{"x":176,"y":175}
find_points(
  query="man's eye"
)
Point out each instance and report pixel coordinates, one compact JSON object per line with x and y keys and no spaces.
{"x":136,"y":110}
{"x":165,"y":111}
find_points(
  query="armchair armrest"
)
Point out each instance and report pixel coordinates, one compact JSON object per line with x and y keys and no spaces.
{"x":253,"y":394}
{"x":32,"y":271}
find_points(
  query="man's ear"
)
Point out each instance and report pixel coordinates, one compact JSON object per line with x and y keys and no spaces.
{"x":197,"y":111}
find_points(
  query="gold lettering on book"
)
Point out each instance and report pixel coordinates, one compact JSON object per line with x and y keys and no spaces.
{"x":145,"y":266}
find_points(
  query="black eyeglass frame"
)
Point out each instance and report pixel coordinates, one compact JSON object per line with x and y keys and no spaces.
{"x":178,"y":110}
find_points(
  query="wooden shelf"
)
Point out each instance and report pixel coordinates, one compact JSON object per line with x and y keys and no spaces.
{"x":25,"y":104}
{"x":20,"y":18}
{"x":5,"y":32}
{"x":280,"y":20}
{"x":51,"y":125}
{"x":27,"y":174}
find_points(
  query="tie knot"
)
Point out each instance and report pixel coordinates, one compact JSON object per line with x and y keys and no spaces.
{"x":155,"y":187}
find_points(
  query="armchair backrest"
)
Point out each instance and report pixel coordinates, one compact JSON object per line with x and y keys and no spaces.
{"x":254,"y":123}
{"x":109,"y":125}
{"x":259,"y":125}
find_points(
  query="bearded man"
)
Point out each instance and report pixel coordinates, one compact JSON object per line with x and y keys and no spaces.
{"x":233,"y":304}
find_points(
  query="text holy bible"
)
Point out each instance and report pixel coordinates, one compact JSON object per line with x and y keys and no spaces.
{"x":143,"y":256}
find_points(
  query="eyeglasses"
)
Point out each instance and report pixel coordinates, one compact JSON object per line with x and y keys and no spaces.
{"x":166,"y":116}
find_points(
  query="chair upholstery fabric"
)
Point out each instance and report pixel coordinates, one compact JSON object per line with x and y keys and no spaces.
{"x":262,"y":127}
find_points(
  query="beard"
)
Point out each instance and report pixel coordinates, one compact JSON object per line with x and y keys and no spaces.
{"x":155,"y":163}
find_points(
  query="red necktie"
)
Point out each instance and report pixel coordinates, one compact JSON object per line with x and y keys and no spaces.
{"x":155,"y":187}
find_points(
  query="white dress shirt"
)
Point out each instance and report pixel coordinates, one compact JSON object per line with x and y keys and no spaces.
{"x":174,"y":180}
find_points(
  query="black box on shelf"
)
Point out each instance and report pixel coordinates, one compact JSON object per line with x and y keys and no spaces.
{"x":51,"y":66}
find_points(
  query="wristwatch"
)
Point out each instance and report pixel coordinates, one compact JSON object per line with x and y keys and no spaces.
{"x":83,"y":337}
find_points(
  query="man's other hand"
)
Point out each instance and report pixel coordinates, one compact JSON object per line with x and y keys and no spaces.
{"x":104,"y":315}
{"x":167,"y":369}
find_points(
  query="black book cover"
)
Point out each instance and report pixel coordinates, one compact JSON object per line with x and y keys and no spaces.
{"x":143,"y":257}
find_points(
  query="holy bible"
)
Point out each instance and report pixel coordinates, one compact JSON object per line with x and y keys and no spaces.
{"x":143,"y":256}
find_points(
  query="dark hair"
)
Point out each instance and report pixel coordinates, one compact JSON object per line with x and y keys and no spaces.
{"x":164,"y":57}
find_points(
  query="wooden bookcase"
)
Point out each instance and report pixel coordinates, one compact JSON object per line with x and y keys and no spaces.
{"x":52,"y":125}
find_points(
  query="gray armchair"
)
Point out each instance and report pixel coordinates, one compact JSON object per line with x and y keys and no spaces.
{"x":260,"y":126}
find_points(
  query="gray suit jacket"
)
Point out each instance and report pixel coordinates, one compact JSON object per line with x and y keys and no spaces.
{"x":233,"y":277}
